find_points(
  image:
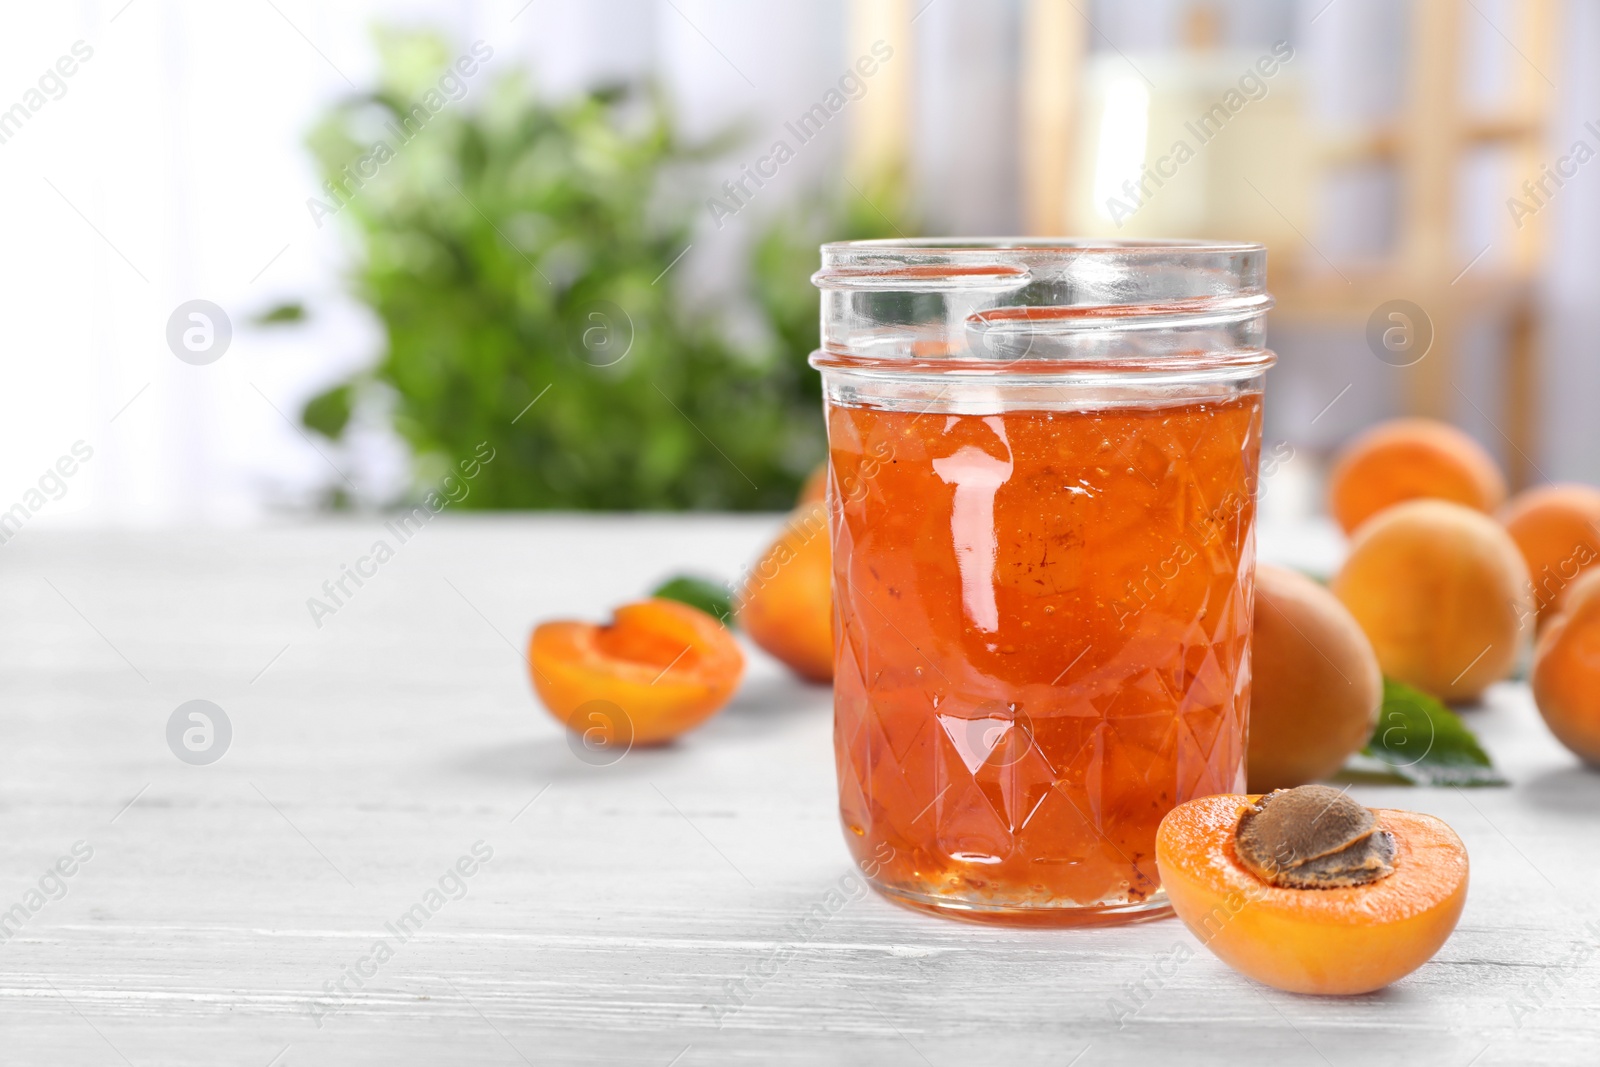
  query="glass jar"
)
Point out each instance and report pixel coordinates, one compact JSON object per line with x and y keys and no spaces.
{"x":1042,"y":505}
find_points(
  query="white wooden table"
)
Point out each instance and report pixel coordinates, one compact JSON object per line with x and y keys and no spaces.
{"x":370,"y":755}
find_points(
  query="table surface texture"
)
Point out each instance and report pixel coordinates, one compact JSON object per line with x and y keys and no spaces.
{"x":647,"y":912}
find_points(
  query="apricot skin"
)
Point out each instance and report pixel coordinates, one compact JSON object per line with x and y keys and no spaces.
{"x":815,"y":488}
{"x":1441,"y":592}
{"x":1315,"y":687}
{"x":1557,"y":529}
{"x":1566,"y":671}
{"x":1409,"y":459}
{"x":666,"y":666}
{"x":786,"y":602}
{"x":1326,"y":941}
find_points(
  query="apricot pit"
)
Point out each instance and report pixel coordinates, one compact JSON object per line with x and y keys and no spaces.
{"x":1313,"y":837}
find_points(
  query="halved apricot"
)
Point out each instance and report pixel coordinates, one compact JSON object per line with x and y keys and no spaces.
{"x":665,"y":666}
{"x":1351,"y":939}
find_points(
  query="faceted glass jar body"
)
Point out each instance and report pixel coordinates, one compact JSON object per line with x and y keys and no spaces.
{"x":1042,"y":500}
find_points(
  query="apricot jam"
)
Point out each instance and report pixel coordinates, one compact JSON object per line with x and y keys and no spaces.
{"x":1043,"y":623}
{"x":1042,"y":469}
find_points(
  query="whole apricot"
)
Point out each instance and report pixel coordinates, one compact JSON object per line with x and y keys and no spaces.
{"x":1315,"y":685}
{"x":657,"y":669}
{"x":1566,"y":671}
{"x":786,"y":602}
{"x":1411,"y":459}
{"x":814,"y":489}
{"x":1557,"y":528}
{"x":1305,"y":920}
{"x":1441,"y":592}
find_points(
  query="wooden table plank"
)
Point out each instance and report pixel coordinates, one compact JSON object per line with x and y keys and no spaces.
{"x":624,"y":904}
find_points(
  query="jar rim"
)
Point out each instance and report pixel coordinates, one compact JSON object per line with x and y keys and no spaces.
{"x":1023,"y":303}
{"x":1069,"y":271}
{"x":1075,"y":245}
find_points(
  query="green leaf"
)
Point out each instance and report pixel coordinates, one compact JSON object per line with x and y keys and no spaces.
{"x":294,"y":311}
{"x":1419,"y":741}
{"x":328,"y":413}
{"x":709,"y":596}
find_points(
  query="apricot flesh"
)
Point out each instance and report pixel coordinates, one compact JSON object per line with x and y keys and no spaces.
{"x":1441,"y":592}
{"x":1315,"y":688}
{"x":785,"y":604}
{"x":1345,"y":940}
{"x":1409,"y":459}
{"x":1557,"y":529}
{"x":663,"y":666}
{"x":1566,"y":671}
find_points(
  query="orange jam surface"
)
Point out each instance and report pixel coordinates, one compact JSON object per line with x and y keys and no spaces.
{"x":1042,"y":634}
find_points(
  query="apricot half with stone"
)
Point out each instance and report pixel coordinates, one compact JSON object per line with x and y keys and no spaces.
{"x":1307,"y":891}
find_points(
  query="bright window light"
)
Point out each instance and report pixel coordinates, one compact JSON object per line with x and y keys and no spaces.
{"x":1124,"y":124}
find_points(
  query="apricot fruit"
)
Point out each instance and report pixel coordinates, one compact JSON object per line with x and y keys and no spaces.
{"x":814,"y":489}
{"x":1315,"y":685}
{"x":1410,"y":459}
{"x":1557,"y":529}
{"x":786,"y":602}
{"x":1353,"y":899}
{"x":1566,"y":671}
{"x":1441,"y":592}
{"x":663,"y":667}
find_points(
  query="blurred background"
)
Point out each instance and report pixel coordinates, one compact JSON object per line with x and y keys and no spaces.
{"x":275,"y":257}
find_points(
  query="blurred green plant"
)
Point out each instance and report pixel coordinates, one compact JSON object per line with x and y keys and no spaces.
{"x":524,"y":252}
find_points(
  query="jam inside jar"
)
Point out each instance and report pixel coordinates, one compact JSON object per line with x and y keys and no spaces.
{"x":1042,"y":499}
